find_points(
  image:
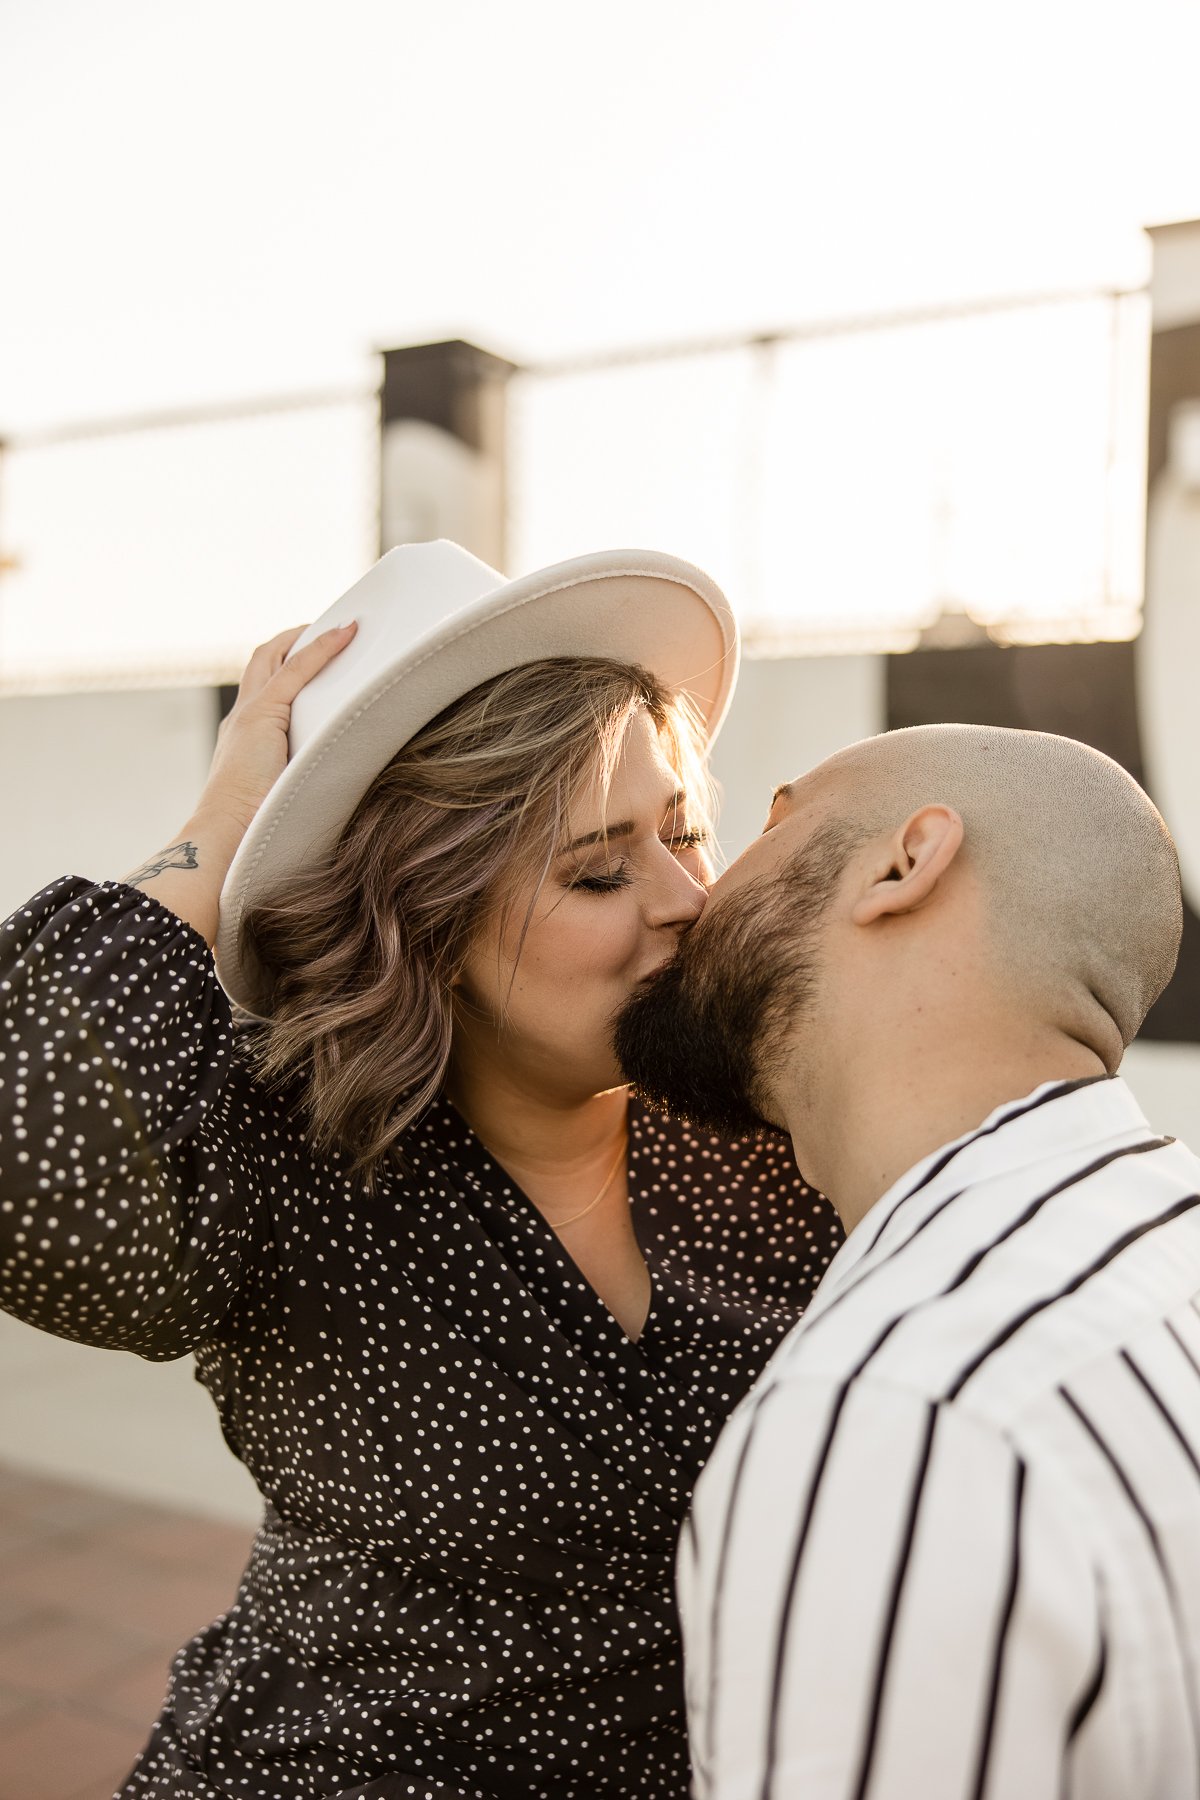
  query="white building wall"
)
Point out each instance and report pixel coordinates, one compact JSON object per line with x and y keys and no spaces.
{"x":788,"y":715}
{"x":93,"y":783}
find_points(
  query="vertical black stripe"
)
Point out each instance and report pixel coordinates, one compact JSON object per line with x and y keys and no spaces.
{"x":1122,"y":1477}
{"x":714,"y":1623}
{"x":1006,"y":1613}
{"x":889,"y":1629}
{"x":773,"y":1712}
{"x":1081,"y":1711}
{"x":1114,"y":1250}
{"x":1176,"y":1430}
{"x":1159,"y":1557}
{"x":1158,"y":1402}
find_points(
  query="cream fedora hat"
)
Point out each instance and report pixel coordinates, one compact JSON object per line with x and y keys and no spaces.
{"x":433,"y":623}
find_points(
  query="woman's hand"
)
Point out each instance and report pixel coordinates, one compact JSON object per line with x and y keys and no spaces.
{"x":252,"y":742}
{"x":251,"y":752}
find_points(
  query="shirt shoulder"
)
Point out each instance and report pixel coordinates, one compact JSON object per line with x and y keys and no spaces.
{"x":993,"y":1295}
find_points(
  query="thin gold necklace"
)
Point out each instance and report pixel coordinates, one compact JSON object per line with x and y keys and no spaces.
{"x":608,"y":1181}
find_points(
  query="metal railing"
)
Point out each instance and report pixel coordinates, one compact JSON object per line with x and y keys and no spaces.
{"x":972,"y":469}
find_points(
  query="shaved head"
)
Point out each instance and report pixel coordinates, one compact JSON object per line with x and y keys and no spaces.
{"x":1079,"y":870}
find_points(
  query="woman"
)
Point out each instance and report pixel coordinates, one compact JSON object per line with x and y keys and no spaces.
{"x":471,"y":1318}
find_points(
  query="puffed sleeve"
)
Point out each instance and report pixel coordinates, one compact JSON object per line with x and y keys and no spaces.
{"x":130,"y":1179}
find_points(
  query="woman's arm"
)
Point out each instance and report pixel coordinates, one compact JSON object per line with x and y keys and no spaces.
{"x":131,"y":1141}
{"x":252,"y":746}
{"x":124,"y":1218}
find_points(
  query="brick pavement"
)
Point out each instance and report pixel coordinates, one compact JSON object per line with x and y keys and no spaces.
{"x":96,"y":1595}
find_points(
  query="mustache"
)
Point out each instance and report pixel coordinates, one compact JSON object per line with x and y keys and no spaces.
{"x":683,"y":1043}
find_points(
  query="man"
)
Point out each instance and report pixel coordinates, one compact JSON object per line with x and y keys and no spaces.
{"x":949,"y":1546}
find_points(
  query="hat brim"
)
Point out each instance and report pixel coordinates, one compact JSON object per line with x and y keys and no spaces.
{"x":632,"y":606}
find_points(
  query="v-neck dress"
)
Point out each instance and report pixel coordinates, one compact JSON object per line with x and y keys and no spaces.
{"x":473,"y":1481}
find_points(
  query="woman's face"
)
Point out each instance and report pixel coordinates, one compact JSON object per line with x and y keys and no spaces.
{"x":607,"y":916}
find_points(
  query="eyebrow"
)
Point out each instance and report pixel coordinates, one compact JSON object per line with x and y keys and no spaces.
{"x":782,"y":792}
{"x":623,"y":829}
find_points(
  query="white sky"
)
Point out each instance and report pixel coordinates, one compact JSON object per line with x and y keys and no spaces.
{"x":211,"y":201}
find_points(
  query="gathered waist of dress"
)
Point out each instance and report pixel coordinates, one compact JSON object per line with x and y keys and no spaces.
{"x":298,"y":1575}
{"x":327,"y":1647}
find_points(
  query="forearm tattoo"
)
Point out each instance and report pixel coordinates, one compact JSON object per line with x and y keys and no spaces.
{"x":179,"y":856}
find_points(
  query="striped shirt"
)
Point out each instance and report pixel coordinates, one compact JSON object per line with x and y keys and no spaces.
{"x":948,"y":1548}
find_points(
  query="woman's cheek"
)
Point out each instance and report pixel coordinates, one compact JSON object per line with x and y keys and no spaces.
{"x":611,"y":938}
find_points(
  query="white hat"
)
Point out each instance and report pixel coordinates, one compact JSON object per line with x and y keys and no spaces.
{"x":433,"y":623}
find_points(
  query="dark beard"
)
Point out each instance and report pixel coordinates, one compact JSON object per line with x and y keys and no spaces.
{"x":704,"y":1038}
{"x":693,"y":1054}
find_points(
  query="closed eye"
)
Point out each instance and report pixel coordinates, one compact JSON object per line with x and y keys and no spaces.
{"x":687,"y":840}
{"x":608,"y":883}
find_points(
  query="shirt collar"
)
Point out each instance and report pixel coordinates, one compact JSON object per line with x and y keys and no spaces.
{"x":1056,"y":1119}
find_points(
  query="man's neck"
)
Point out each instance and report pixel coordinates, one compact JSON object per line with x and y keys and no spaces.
{"x":869,"y":1125}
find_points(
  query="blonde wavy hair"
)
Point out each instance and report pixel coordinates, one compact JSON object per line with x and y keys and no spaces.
{"x":360,"y":954}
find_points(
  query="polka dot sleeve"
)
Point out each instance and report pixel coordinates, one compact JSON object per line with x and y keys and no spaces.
{"x":119,"y":1223}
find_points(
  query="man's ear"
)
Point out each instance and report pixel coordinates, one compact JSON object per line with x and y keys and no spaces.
{"x":910,"y":864}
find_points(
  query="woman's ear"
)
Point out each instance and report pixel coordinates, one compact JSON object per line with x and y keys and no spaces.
{"x":910,"y":865}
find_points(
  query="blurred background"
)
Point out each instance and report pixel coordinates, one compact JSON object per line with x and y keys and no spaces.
{"x":888,"y":317}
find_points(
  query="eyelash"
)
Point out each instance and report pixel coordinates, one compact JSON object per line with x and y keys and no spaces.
{"x":620,"y":877}
{"x":603,"y":884}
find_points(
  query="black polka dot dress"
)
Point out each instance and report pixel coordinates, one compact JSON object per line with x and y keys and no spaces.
{"x":472,"y":1480}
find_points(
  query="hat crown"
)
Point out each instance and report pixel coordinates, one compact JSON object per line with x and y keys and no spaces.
{"x":402,"y":599}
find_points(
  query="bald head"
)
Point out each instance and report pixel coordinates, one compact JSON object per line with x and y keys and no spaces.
{"x":1078,"y":870}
